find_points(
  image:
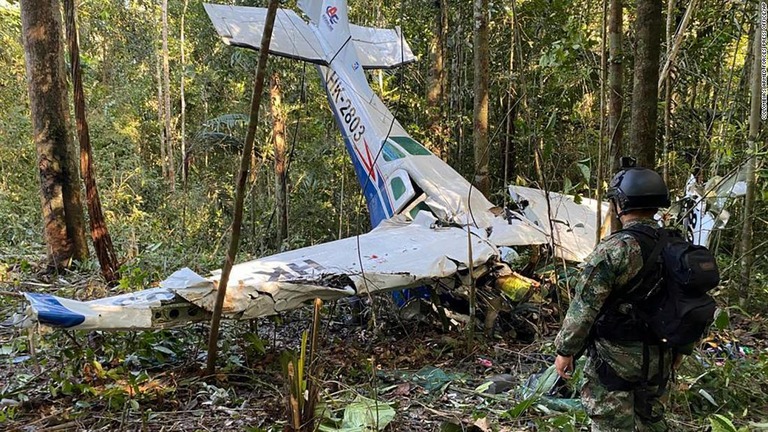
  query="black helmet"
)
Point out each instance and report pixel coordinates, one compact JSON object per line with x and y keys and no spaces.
{"x":638,"y":189}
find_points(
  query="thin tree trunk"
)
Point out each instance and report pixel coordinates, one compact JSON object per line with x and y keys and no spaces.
{"x":726,"y":120}
{"x":281,"y":156}
{"x":167,"y":101}
{"x":64,"y":227}
{"x":601,"y":143}
{"x":242,"y":178}
{"x":456,"y":95}
{"x":436,"y":88}
{"x":668,"y":92}
{"x":615,"y":84}
{"x":161,"y":117}
{"x":648,"y":29}
{"x":102,"y":241}
{"x":674,"y":48}
{"x":481,"y":61}
{"x":508,"y":149}
{"x":185,"y":163}
{"x":616,"y":94}
{"x":747,"y":253}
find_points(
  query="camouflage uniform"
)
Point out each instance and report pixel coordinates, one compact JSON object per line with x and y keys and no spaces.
{"x":613,"y":263}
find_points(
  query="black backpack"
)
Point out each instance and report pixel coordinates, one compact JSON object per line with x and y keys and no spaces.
{"x":669,"y":295}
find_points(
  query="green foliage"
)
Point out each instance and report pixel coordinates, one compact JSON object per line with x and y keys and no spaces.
{"x":360,"y":415}
{"x":722,"y":389}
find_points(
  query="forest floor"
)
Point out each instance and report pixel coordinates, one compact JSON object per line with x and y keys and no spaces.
{"x":431,"y":380}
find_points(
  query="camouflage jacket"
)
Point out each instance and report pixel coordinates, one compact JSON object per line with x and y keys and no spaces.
{"x":613,"y":263}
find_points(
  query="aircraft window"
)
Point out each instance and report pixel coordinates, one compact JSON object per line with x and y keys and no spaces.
{"x":419,"y":207}
{"x":398,"y":187}
{"x":391,"y":153}
{"x":411,"y":146}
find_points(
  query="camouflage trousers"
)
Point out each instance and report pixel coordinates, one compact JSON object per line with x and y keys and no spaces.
{"x":619,"y":411}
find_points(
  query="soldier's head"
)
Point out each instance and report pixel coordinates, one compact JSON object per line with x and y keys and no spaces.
{"x":637,"y":191}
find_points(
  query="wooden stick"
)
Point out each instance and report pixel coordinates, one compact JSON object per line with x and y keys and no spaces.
{"x":678,"y":41}
{"x":245,"y":161}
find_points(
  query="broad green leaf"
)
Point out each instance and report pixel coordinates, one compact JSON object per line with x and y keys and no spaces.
{"x":722,"y":319}
{"x":721,"y":424}
{"x":585,"y":171}
{"x":162,"y":349}
{"x":363,"y":415}
{"x":707,"y":396}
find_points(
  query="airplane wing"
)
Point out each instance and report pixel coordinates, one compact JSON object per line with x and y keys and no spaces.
{"x":573,"y":225}
{"x":395,"y":255}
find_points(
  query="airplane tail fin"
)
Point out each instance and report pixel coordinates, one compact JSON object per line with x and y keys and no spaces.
{"x":330,"y":17}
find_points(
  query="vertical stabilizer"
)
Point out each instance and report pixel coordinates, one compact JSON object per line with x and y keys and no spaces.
{"x":330,"y":17}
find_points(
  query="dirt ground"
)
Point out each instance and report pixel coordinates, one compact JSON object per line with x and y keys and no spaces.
{"x":85,"y":381}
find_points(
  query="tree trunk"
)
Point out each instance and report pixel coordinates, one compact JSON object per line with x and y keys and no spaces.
{"x":281,"y":188}
{"x":668,"y":93}
{"x":64,"y":227}
{"x":184,"y":161}
{"x":601,"y":143}
{"x":747,"y":252}
{"x":508,"y":154}
{"x":481,"y":60}
{"x":161,"y":116}
{"x":437,"y":78}
{"x":242,"y":178}
{"x":673,"y":47}
{"x":167,"y":101}
{"x":455,"y":94}
{"x":102,"y":241}
{"x":648,"y":29}
{"x":615,"y":84}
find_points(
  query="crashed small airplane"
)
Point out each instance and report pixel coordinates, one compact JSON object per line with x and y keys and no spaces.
{"x":430,"y":226}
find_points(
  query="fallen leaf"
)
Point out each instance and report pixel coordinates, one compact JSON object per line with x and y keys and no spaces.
{"x":403,"y":389}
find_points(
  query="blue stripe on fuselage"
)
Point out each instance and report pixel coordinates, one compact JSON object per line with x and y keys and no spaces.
{"x":51,"y":312}
{"x":375,"y":193}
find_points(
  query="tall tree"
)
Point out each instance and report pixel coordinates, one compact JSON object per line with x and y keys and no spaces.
{"x":668,"y":94}
{"x":184,"y":164}
{"x":437,"y":78}
{"x":64,"y":227}
{"x":747,"y":251}
{"x":481,"y":60}
{"x":102,"y":241}
{"x":281,"y":157}
{"x":615,"y":83}
{"x":649,"y":26}
{"x":167,"y":100}
{"x":161,"y":116}
{"x":508,"y":150}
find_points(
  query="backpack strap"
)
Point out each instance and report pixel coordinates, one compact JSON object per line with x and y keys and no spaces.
{"x":652,"y":242}
{"x":644,"y":235}
{"x":648,"y":238}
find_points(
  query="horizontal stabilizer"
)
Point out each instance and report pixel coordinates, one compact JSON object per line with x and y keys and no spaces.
{"x":243,"y":26}
{"x":293,"y":38}
{"x":381,"y":48}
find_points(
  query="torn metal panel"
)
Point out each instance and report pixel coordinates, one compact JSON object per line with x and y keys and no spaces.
{"x":395,"y":255}
{"x":570,"y":226}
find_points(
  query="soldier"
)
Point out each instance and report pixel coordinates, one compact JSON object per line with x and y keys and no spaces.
{"x":624,"y":377}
